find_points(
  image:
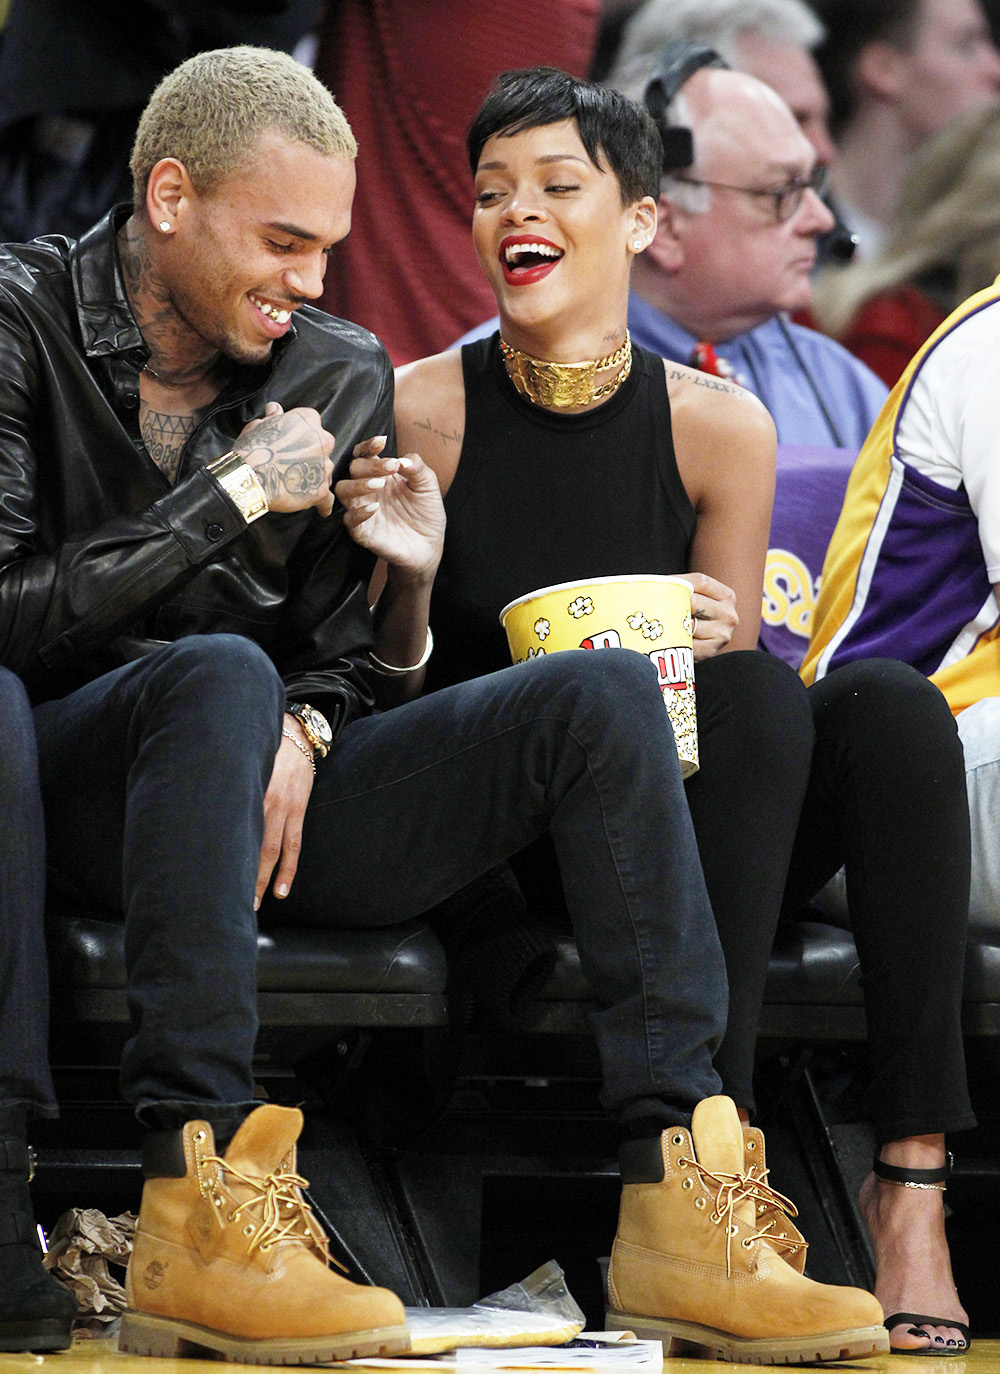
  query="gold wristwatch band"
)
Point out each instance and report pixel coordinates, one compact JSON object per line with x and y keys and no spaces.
{"x":239,"y":481}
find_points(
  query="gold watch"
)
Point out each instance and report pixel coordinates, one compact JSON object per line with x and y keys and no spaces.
{"x":239,"y":481}
{"x":315,"y":726}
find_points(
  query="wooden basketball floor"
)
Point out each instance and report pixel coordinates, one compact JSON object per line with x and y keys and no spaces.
{"x":101,"y":1357}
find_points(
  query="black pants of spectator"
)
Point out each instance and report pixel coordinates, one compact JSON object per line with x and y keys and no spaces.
{"x":24,"y":984}
{"x":755,"y":741}
{"x":887,"y":802}
{"x":154,"y":775}
{"x":885,"y":797}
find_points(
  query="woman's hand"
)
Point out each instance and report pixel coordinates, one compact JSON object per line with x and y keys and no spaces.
{"x":713,"y":608}
{"x":393,"y":507}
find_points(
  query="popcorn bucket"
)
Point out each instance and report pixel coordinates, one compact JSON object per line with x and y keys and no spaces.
{"x":646,"y":612}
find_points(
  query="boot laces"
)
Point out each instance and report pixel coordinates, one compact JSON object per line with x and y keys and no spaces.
{"x":731,"y":1190}
{"x":281,"y":1209}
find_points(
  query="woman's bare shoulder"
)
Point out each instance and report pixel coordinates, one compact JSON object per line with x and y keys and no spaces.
{"x":712,"y":413}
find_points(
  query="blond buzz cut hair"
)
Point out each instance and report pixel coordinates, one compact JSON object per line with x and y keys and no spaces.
{"x":211,"y":112}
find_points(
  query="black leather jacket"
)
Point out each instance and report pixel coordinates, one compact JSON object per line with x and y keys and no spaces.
{"x":100,"y":558}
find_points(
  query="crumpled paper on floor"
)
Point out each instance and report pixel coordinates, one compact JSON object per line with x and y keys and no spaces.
{"x":82,"y":1244}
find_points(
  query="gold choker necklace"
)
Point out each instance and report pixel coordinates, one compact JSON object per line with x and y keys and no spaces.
{"x":565,"y":384}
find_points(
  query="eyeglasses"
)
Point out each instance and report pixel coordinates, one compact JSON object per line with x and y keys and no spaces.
{"x":786,"y":198}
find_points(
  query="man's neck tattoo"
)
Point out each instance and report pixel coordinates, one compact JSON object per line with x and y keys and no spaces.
{"x":155,"y":315}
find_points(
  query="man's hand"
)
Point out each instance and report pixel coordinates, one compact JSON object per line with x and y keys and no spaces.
{"x":393,"y":507}
{"x":290,"y":453}
{"x":713,"y":607}
{"x":285,"y":805}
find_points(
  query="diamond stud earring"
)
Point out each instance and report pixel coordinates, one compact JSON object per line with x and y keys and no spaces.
{"x":637,"y":245}
{"x":165,"y":226}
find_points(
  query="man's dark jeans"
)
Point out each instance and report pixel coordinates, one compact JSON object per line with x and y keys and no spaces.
{"x":24,"y":983}
{"x":154,"y":778}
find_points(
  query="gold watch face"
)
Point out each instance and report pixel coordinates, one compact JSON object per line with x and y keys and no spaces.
{"x":315,"y":724}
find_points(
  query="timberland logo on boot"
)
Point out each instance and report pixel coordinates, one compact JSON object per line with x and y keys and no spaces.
{"x":153,"y":1274}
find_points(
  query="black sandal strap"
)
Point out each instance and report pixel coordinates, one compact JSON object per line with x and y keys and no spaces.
{"x":914,"y":1178}
{"x":922,"y":1319}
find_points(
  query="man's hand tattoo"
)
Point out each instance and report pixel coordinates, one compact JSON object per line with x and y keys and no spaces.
{"x":283,"y":455}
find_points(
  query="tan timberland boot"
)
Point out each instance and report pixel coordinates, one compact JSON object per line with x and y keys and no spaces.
{"x":229,"y":1262}
{"x":692,"y":1266}
{"x":774,"y":1214}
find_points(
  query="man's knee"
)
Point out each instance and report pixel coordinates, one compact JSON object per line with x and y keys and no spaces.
{"x":226,"y":665}
{"x":224,"y":687}
{"x":17,"y":757}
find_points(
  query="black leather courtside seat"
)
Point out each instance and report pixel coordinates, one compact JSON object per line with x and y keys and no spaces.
{"x":813,"y":989}
{"x":390,"y":976}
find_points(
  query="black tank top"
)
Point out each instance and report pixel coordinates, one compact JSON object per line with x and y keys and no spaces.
{"x":540,"y":498}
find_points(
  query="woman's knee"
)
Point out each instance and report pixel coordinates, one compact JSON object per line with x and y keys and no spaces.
{"x":760,"y":699}
{"x":884,"y":699}
{"x":884,"y":719}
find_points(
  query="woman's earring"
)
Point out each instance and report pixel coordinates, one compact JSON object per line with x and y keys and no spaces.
{"x":165,"y":226}
{"x":637,"y":245}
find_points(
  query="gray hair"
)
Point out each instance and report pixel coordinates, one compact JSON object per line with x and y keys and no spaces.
{"x":719,"y":23}
{"x":695,"y":200}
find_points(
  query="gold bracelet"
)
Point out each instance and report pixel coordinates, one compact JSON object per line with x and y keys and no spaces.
{"x":390,"y":669}
{"x":241,"y":484}
{"x":301,"y":747}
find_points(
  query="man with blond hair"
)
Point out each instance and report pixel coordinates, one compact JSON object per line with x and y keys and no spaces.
{"x":190,"y":617}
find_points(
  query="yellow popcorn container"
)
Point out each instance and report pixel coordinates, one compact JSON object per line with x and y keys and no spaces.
{"x":650,"y":613}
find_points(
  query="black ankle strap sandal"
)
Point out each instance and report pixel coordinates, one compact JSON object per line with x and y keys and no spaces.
{"x":914,"y":1178}
{"x":936,"y":1179}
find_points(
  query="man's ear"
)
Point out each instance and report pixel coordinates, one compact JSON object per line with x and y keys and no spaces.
{"x":667,"y":248}
{"x":879,"y":70}
{"x":168,"y":192}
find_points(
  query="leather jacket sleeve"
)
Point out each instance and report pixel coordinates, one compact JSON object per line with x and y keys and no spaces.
{"x":100,"y":562}
{"x":58,"y":597}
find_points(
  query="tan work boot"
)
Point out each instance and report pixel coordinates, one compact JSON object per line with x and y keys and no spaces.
{"x":774,"y":1212}
{"x":691,"y":1265}
{"x":229,"y":1259}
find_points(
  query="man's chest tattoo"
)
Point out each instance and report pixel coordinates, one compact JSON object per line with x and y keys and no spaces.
{"x":165,"y":437}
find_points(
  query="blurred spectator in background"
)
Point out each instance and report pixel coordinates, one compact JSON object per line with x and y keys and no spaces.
{"x":615,"y":15}
{"x":410,"y":77}
{"x":943,"y":246}
{"x":76,"y":74}
{"x":897,"y":71}
{"x":770,"y":39}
